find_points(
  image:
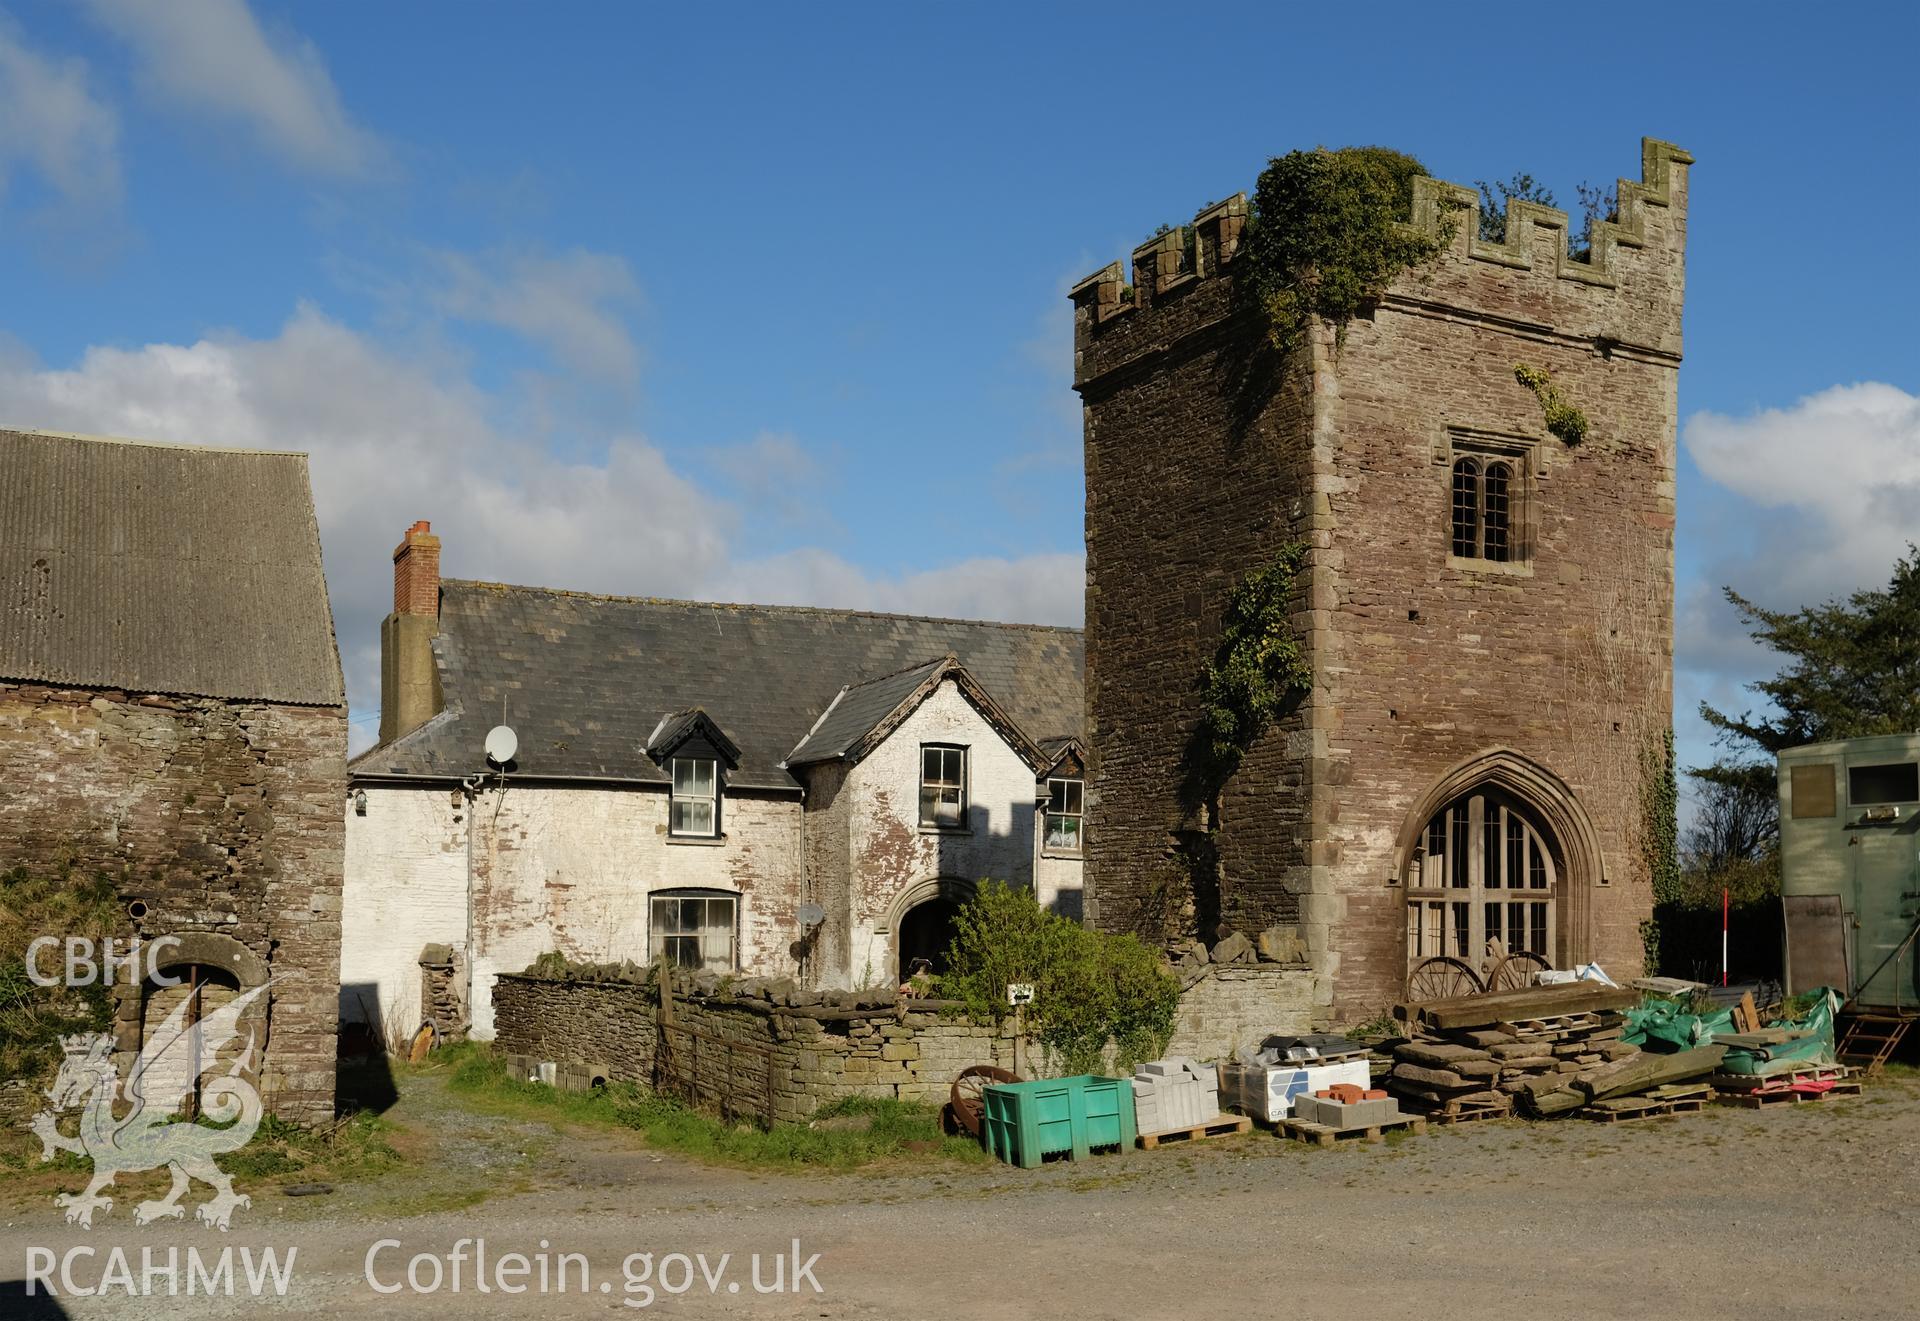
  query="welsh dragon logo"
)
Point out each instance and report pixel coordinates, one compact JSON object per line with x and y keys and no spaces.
{"x":177,"y":1056}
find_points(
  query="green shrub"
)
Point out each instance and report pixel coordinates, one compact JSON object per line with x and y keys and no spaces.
{"x":1562,"y":418}
{"x":1327,"y":233}
{"x":33,"y":1018}
{"x":1089,"y":987}
{"x":1259,"y":666}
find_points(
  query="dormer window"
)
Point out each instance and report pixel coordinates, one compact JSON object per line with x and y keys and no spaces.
{"x":696,"y":797}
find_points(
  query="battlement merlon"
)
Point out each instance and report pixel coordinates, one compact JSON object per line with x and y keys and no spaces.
{"x":1639,"y":257}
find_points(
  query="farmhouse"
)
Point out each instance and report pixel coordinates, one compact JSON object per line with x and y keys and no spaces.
{"x":173,"y":719}
{"x":1482,"y":592}
{"x":764,"y":790}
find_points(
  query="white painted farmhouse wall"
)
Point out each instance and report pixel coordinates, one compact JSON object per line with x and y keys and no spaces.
{"x":1057,"y":883}
{"x":568,"y":869}
{"x":406,"y":887}
{"x":890,"y":853}
{"x":571,"y":869}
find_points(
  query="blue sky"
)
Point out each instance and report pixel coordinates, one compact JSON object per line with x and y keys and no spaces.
{"x":768,"y":302}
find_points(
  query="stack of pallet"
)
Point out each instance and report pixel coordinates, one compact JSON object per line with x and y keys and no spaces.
{"x":1472,"y":1057}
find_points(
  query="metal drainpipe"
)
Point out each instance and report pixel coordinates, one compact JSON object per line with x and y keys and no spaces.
{"x":469,"y":788}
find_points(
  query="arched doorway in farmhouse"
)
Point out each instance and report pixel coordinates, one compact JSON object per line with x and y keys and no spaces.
{"x":923,"y":924}
{"x":1498,"y":857}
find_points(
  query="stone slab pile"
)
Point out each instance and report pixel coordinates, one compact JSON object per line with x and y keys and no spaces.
{"x":1485,"y":1052}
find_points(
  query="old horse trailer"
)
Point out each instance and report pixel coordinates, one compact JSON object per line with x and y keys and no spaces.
{"x":1850,"y":870}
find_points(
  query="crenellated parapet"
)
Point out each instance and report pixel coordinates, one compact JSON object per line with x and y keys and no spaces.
{"x":1166,"y":262}
{"x":1625,"y":288}
{"x":1436,"y":203}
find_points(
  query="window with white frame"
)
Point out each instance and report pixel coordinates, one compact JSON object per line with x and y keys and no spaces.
{"x":943,"y":786}
{"x":696,"y":797}
{"x":693,"y":929}
{"x":1064,"y":828}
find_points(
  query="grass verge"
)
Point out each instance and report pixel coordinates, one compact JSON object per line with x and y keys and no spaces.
{"x":279,"y":1153}
{"x":479,"y":1078}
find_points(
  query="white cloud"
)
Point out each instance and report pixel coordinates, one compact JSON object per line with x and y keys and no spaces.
{"x":1827,"y":490}
{"x":569,"y":303}
{"x":51,"y":122}
{"x":394,"y":439}
{"x":1839,"y":472}
{"x":776,"y":476}
{"x":213,"y":58}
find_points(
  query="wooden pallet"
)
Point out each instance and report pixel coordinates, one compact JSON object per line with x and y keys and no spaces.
{"x":1742,"y":1082}
{"x":1753,"y":1098}
{"x":1626,"y":1109}
{"x":1325,"y":1135}
{"x":1535,"y":1028}
{"x":1213,"y":1128}
{"x":1460,"y":1113}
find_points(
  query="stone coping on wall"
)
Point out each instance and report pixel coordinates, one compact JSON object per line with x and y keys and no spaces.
{"x":824,"y":1006}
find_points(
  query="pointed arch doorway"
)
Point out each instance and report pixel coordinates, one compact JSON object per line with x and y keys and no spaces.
{"x":1499,"y":857}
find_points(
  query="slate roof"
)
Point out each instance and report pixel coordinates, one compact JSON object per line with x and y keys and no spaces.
{"x":675,"y":729}
{"x":162,"y":569}
{"x":587,"y":679}
{"x":860,"y":707}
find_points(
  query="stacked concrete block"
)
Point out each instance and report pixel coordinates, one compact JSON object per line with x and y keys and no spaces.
{"x":1175,"y":1093}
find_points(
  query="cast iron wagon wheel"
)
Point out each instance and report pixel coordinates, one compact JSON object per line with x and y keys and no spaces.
{"x":1516,"y":971}
{"x":1442,"y":978}
{"x":964,"y":1105}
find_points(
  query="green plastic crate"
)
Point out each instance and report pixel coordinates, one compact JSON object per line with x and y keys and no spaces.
{"x":1028,"y":1121}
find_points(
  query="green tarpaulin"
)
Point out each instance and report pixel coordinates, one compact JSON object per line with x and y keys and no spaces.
{"x":1662,"y":1025}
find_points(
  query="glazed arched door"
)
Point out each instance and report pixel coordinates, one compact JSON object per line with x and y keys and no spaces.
{"x":1482,"y":883}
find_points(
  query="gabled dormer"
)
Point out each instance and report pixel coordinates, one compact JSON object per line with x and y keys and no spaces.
{"x":861,"y":717}
{"x":697,"y":756}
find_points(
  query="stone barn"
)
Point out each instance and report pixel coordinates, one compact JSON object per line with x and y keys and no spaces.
{"x":1486,"y":605}
{"x":172,"y":717}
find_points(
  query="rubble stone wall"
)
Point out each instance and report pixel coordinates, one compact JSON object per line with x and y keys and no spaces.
{"x":222,"y":818}
{"x":819,"y":1054}
{"x":1225,"y":1008}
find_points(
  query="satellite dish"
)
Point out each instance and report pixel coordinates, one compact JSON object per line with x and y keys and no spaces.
{"x":502,"y":743}
{"x":810,"y":915}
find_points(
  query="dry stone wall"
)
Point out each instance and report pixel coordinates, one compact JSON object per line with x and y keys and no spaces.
{"x":819,"y":1053}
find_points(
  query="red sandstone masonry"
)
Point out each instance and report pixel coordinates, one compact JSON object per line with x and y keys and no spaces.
{"x":1421,"y":663}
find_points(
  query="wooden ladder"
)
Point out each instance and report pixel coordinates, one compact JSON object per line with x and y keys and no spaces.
{"x":1871,"y":1038}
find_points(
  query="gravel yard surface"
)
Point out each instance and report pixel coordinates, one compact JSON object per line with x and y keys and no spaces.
{"x":1799,"y":1211}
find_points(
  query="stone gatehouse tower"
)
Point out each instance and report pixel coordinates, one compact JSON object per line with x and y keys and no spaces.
{"x":1488,"y":610}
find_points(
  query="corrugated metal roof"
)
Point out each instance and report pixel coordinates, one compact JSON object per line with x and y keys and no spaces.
{"x":585,"y":679}
{"x":162,"y":569}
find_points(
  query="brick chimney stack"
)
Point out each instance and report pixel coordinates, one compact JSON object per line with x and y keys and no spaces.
{"x":416,"y":572}
{"x":409,"y":679}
